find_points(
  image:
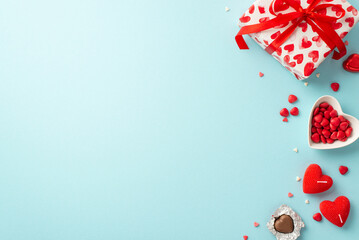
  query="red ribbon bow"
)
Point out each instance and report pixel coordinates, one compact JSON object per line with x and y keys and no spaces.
{"x":321,"y":24}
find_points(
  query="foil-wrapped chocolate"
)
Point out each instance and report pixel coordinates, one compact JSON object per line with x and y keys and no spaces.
{"x":285,"y":224}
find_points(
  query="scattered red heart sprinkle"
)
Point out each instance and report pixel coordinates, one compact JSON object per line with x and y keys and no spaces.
{"x":317,"y":217}
{"x":261,"y":74}
{"x":284,"y":112}
{"x":285,"y":119}
{"x":245,"y":237}
{"x":343,"y":170}
{"x":327,"y":126}
{"x":294,"y":111}
{"x":335,"y":86}
{"x":256,"y":224}
{"x":290,"y":195}
{"x":346,"y":43}
{"x":292,"y":98}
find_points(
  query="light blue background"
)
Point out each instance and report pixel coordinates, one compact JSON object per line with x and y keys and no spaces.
{"x":142,"y":120}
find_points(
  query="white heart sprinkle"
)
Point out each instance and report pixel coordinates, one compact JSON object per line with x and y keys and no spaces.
{"x":227,"y":9}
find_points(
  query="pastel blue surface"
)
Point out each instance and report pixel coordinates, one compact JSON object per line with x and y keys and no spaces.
{"x":142,"y":120}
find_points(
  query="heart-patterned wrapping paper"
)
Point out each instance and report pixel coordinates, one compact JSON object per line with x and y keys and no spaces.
{"x":304,"y":51}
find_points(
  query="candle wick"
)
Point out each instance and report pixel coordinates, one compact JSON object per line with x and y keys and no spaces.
{"x":340,"y":217}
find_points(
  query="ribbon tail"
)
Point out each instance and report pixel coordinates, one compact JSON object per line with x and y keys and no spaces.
{"x":282,"y":38}
{"x":335,"y":38}
{"x":241,"y":43}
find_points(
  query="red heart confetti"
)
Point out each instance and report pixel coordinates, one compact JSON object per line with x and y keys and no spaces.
{"x":245,"y":237}
{"x":336,"y":212}
{"x":292,"y":98}
{"x":343,"y":170}
{"x":290,"y":195}
{"x":314,"y":181}
{"x":317,"y":217}
{"x":294,"y":111}
{"x":256,"y":224}
{"x":285,"y":119}
{"x":335,"y":86}
{"x":284,"y":112}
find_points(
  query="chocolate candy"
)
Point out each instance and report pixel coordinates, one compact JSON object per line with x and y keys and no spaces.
{"x":285,"y":224}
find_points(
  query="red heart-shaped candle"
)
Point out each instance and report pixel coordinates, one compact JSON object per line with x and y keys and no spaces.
{"x":314,"y":181}
{"x":336,"y":212}
{"x":352,"y":63}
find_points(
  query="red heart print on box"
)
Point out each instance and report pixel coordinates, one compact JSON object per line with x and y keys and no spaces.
{"x":306,"y":43}
{"x":314,"y":181}
{"x":299,"y":58}
{"x":314,"y":55}
{"x":336,"y":212}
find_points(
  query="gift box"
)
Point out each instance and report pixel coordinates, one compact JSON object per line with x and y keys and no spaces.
{"x":300,"y":34}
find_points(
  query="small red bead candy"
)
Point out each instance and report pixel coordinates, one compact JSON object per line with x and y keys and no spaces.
{"x":348,"y":132}
{"x":326,"y":133}
{"x":342,"y":119}
{"x":334,"y":135}
{"x":327,"y":114}
{"x":315,"y":138}
{"x":343,"y":126}
{"x":319,"y":131}
{"x":318,"y":118}
{"x":324,"y":105}
{"x":333,"y":113}
{"x":341,"y":135}
{"x":324,"y":122}
{"x":335,"y":121}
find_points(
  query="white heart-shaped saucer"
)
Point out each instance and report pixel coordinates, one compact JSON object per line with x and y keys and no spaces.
{"x":354,"y":123}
